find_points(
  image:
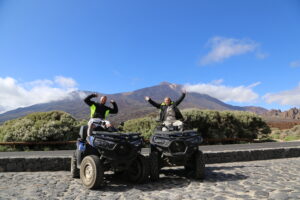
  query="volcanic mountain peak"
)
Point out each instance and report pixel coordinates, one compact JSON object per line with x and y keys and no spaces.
{"x":171,"y":85}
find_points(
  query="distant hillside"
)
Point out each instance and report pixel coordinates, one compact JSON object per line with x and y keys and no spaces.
{"x":291,"y":114}
{"x":131,"y":104}
{"x":257,"y":110}
{"x":282,"y":119}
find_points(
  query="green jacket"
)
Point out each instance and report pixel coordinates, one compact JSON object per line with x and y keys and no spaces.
{"x":99,"y":110}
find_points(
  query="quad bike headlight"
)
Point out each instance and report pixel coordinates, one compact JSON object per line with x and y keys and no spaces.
{"x":135,"y":137}
{"x":195,"y":139}
{"x":160,"y":140}
{"x":104,"y":144}
{"x":193,"y":134}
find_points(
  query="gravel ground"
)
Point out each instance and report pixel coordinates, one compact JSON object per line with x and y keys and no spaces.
{"x":269,"y":179}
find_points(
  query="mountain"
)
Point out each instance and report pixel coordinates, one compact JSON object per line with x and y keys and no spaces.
{"x":255,"y":109}
{"x":131,"y":104}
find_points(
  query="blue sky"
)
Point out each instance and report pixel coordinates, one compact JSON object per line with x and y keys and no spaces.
{"x":242,"y":52}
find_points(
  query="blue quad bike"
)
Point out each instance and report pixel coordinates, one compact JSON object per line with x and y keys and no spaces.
{"x":108,"y":151}
{"x":176,"y":147}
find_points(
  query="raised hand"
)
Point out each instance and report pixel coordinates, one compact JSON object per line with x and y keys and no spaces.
{"x":95,"y":95}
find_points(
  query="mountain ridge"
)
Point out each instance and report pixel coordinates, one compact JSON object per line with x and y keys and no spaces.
{"x":131,"y":104}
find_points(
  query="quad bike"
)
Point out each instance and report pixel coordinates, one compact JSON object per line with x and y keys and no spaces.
{"x":176,"y":147}
{"x":108,"y":151}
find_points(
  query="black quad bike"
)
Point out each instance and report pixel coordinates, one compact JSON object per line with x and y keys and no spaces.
{"x":108,"y":151}
{"x":176,"y":147}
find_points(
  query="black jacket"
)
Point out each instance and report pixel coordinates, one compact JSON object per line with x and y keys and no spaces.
{"x":99,"y":110}
{"x":163,"y":108}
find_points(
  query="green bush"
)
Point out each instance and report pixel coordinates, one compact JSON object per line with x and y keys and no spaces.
{"x":211,"y":124}
{"x":61,"y":126}
{"x":145,"y":125}
{"x":41,"y":126}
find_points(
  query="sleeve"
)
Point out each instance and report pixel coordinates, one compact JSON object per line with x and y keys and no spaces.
{"x":180,"y":99}
{"x":115,"y":109}
{"x":88,"y":100}
{"x":153,"y":103}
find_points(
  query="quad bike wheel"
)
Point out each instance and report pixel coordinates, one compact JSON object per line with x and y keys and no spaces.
{"x":154,"y":166}
{"x":199,"y":165}
{"x":91,"y":172}
{"x":138,"y":172}
{"x":75,"y":172}
{"x":196,"y":166}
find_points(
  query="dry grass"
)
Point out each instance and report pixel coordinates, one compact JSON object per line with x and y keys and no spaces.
{"x":291,"y":134}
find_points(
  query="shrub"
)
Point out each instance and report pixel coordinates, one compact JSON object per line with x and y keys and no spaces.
{"x":145,"y":125}
{"x":41,"y":126}
{"x":227,"y":124}
{"x":211,"y":124}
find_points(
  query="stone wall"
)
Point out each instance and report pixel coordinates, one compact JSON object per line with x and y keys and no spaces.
{"x":32,"y":164}
{"x":250,"y":155}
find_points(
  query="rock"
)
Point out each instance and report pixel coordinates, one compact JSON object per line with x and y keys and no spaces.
{"x":278,"y":196}
{"x":261,"y":194}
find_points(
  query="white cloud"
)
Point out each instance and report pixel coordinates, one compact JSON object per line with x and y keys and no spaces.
{"x":261,"y":55}
{"x":295,"y":64}
{"x":65,"y":82}
{"x":223,"y":48}
{"x":254,"y":85}
{"x":240,"y":94}
{"x":38,"y":83}
{"x":288,"y":97}
{"x":14,"y":95}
